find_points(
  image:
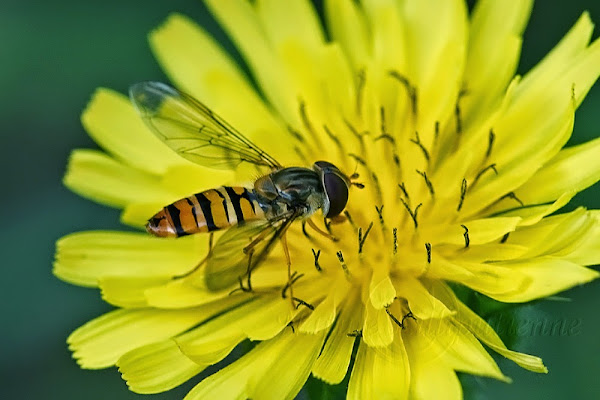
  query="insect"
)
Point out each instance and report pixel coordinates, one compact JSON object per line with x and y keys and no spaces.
{"x":255,"y":218}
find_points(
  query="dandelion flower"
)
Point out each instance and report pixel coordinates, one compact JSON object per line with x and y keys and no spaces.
{"x":463,"y":171}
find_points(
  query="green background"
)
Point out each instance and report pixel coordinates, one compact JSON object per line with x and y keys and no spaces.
{"x":53,"y":55}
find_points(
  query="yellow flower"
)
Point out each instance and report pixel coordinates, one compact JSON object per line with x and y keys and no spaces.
{"x":462,"y":165}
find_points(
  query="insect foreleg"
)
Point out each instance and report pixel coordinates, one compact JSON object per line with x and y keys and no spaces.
{"x":318,"y":230}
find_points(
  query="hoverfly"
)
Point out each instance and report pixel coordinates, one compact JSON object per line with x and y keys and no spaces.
{"x":255,"y":218}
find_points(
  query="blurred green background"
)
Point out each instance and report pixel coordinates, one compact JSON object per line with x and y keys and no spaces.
{"x":53,"y":56}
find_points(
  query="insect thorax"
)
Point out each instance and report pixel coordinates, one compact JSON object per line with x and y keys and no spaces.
{"x":290,"y":189}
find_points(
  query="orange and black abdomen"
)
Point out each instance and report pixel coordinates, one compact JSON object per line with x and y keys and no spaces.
{"x":207,"y":211}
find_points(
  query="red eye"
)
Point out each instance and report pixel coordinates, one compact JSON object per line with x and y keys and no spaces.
{"x":337,"y":193}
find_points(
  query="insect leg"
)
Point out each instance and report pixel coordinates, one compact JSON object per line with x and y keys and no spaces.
{"x":289,"y":268}
{"x":256,"y":241}
{"x":318,"y":230}
{"x":210,"y":245}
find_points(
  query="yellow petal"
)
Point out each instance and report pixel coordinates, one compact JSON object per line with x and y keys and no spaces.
{"x":156,"y":367}
{"x":197,"y":64}
{"x":572,"y":170}
{"x":274,"y":369}
{"x":494,"y":50}
{"x":381,"y":289}
{"x":556,"y":236}
{"x":100,"y":342}
{"x":333,"y":362}
{"x":423,"y":304}
{"x":211,"y":342}
{"x":128,"y":292}
{"x":377,"y":327}
{"x":241,"y":22}
{"x":459,"y":349}
{"x":380,"y":373}
{"x":181,"y":293}
{"x":85,"y":257}
{"x":562,"y":56}
{"x":437,"y":57}
{"x":230,"y":382}
{"x":96,"y":176}
{"x":547,"y":276}
{"x":294,"y":19}
{"x":322,"y":317}
{"x":518,"y":157}
{"x":480,"y":231}
{"x":430,"y":378}
{"x":588,"y":250}
{"x":532,"y":214}
{"x":486,"y":333}
{"x":289,"y":372}
{"x":348,"y":27}
{"x":113,"y":123}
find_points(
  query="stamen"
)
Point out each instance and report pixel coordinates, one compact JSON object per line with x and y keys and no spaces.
{"x":380,"y":213}
{"x":340,"y":257}
{"x":304,"y":230}
{"x":377,"y":187}
{"x":291,"y":325}
{"x":466,"y":235}
{"x":396,"y":158}
{"x":303,"y":303}
{"x":333,"y":137}
{"x":512,"y":195}
{"x":316,"y":256}
{"x":410,"y":89}
{"x":436,"y":131}
{"x":361,"y":238}
{"x":427,"y":182}
{"x":458,"y":117}
{"x":358,"y":159}
{"x":359,"y":90}
{"x":347,"y":214}
{"x":354,"y":131}
{"x":408,"y":315}
{"x":395,"y":232}
{"x":417,"y":141}
{"x":483,"y":171}
{"x":463,"y":193}
{"x":384,"y":134}
{"x":491,"y":139}
{"x":301,"y":155}
{"x":386,"y":137}
{"x":328,"y":226}
{"x":504,"y":238}
{"x":305,"y":120}
{"x":400,"y":324}
{"x":413,"y":214}
{"x":297,"y":135}
{"x":428,"y":249}
{"x":403,"y":188}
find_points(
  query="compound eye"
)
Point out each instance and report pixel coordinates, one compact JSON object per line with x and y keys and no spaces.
{"x":337,"y":193}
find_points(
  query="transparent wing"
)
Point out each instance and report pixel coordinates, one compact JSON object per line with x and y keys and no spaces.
{"x":228,"y":262}
{"x":192,"y":130}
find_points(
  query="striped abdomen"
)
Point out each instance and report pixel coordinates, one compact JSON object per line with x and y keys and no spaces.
{"x":207,"y":211}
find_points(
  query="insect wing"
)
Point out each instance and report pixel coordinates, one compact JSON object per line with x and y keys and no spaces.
{"x":228,"y":262}
{"x":193,"y":130}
